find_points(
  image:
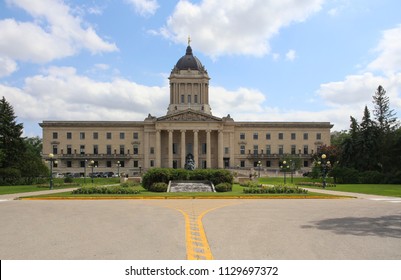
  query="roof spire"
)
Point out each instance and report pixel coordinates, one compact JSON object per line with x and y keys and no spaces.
{"x":189,"y":40}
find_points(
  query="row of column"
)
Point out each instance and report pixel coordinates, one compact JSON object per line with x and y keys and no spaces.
{"x":195,"y":148}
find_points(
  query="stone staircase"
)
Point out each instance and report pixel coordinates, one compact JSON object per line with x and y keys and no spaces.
{"x":190,"y":186}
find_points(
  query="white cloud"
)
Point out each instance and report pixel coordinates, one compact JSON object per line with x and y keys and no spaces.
{"x":144,"y":7}
{"x":356,"y":91}
{"x":56,"y":33}
{"x":7,"y":66}
{"x":290,"y":55}
{"x":389,"y":49}
{"x":235,"y":27}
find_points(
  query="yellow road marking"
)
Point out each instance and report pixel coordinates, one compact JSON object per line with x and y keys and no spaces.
{"x":193,"y":211}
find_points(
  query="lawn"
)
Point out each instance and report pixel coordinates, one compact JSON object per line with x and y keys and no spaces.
{"x":376,"y":189}
{"x":58,"y":184}
{"x":235,"y":193}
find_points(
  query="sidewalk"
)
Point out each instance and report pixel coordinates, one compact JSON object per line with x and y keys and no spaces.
{"x":14,"y":196}
{"x":356,"y":195}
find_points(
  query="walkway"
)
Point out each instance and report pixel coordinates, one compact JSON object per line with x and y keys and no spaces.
{"x":13,"y":196}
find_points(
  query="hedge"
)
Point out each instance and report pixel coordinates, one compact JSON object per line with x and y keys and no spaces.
{"x":275,"y":190}
{"x":223,"y":187}
{"x":164,"y":175}
{"x":106,"y":190}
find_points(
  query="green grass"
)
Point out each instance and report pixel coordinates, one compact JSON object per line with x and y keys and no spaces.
{"x":58,"y":184}
{"x":236,"y":192}
{"x":375,"y":189}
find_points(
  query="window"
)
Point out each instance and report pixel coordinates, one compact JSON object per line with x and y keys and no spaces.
{"x":55,"y":149}
{"x":268,"y":150}
{"x":226,"y":150}
{"x":122,"y":163}
{"x":306,"y":136}
{"x":122,"y":135}
{"x":152,"y":150}
{"x":196,"y":98}
{"x":175,"y":148}
{"x":242,"y":163}
{"x":318,"y":136}
{"x":136,"y":149}
{"x":268,"y":136}
{"x":82,"y":149}
{"x":204,"y":148}
{"x":69,"y":135}
{"x":108,"y":163}
{"x":108,"y":135}
{"x":182,"y":98}
{"x":280,"y":149}
{"x":242,"y":136}
{"x":293,"y":136}
{"x":255,"y":136}
{"x":82,"y":164}
{"x":242,"y":149}
{"x":306,"y":150}
{"x":95,"y":149}
{"x":95,"y":135}
{"x":136,"y":163}
{"x":293,"y":149}
{"x":136,"y":135}
{"x":189,"y":98}
{"x":268,"y":163}
{"x":122,"y":149}
{"x":69,"y":163}
{"x":255,"y":149}
{"x":82,"y":135}
{"x":281,"y":136}
{"x":69,"y":149}
{"x":55,"y":135}
{"x":152,"y":163}
{"x":306,"y":163}
{"x":108,"y":149}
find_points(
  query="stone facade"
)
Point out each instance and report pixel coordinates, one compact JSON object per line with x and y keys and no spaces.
{"x":188,"y":127}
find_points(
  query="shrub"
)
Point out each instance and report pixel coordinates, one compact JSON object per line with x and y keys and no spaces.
{"x":223,"y":187}
{"x":106,"y":190}
{"x":159,"y":187}
{"x":344,"y":175}
{"x":315,"y":184}
{"x":275,"y":190}
{"x":371,"y":177}
{"x":9,"y":176}
{"x":68,"y":180}
{"x":164,"y":175}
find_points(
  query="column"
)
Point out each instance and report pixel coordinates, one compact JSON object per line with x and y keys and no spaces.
{"x":208,"y":150}
{"x":232,"y":150}
{"x":170,"y":149}
{"x":196,"y":149}
{"x":220,"y":147}
{"x":146,"y":151}
{"x":183,"y":148}
{"x":158,"y":149}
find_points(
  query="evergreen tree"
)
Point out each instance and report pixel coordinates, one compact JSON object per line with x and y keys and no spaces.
{"x":384,"y":116}
{"x":11,"y":142}
{"x":367,"y":143}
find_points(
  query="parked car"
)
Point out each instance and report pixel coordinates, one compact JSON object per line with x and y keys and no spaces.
{"x":108,"y":174}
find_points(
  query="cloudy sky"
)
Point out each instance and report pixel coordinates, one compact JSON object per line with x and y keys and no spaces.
{"x":277,"y":60}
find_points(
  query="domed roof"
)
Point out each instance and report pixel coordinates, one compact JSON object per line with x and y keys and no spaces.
{"x":189,"y":61}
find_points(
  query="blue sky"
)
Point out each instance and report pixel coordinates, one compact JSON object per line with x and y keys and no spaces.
{"x":310,"y":60}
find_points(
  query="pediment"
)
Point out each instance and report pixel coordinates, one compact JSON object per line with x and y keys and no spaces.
{"x":190,"y":116}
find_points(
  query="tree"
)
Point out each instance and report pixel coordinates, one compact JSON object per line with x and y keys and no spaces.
{"x":384,"y":116}
{"x":11,"y":142}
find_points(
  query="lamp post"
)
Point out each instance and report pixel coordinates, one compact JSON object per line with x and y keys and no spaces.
{"x":118,"y":168}
{"x":85,"y":170}
{"x":325,"y":164}
{"x":284,"y":168}
{"x":259,"y":166}
{"x":52,"y":161}
{"x":92,"y":166}
{"x":292,"y":170}
{"x":140,"y":170}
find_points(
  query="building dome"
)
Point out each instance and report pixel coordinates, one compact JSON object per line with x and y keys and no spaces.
{"x":189,"y":62}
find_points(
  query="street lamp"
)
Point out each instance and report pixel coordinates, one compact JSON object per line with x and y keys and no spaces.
{"x":52,"y":161}
{"x":325,"y":164}
{"x":140,"y":170}
{"x":92,"y":166}
{"x":259,"y":165}
{"x":284,"y":169}
{"x":85,"y":171}
{"x":118,"y":168}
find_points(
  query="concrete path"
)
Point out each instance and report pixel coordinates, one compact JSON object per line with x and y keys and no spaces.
{"x":358,"y":195}
{"x":13,"y":196}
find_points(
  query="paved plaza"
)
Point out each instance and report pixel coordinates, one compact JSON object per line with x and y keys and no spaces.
{"x":368,"y":227}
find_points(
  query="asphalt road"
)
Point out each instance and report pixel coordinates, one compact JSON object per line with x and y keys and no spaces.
{"x":345,"y":229}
